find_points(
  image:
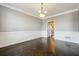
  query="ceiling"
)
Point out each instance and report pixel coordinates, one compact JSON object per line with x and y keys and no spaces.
{"x":52,"y":8}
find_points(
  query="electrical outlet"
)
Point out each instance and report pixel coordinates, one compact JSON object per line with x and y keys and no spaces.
{"x":68,"y":37}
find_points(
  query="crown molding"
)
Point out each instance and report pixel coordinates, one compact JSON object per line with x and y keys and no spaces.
{"x":27,"y":13}
{"x":19,"y":10}
{"x":62,"y":13}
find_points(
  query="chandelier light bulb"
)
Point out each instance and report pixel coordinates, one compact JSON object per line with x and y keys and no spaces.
{"x":39,"y":11}
{"x":45,"y":12}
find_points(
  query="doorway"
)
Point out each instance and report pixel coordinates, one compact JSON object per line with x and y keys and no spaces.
{"x":51,"y":42}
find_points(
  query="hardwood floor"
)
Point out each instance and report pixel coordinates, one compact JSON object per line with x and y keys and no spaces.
{"x":37,"y":48}
{"x":29,"y":48}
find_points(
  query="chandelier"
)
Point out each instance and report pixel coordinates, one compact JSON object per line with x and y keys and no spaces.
{"x":42,"y":12}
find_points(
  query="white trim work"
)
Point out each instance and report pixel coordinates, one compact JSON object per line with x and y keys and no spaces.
{"x":27,"y":13}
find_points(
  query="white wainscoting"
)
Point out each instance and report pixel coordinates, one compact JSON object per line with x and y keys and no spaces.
{"x":9,"y":38}
{"x":63,"y":36}
{"x":67,"y":36}
{"x":44,"y":33}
